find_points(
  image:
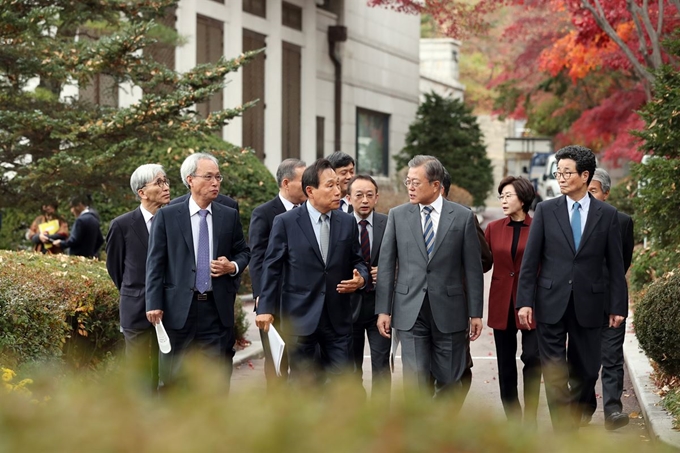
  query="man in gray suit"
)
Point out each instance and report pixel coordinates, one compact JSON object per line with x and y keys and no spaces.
{"x":429,"y":250}
{"x":562,"y":283}
{"x":363,"y":195}
{"x":196,"y":253}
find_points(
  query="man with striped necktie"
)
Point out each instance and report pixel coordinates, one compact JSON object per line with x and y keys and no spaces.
{"x":429,"y":249}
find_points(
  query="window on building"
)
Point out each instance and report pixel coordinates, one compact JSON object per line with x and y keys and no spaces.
{"x":291,"y":100}
{"x":209,"y":49}
{"x":102,"y":90}
{"x":253,"y":88}
{"x":292,"y":16}
{"x":320,"y":137}
{"x":372,"y":142}
{"x":164,"y":53}
{"x":255,"y":7}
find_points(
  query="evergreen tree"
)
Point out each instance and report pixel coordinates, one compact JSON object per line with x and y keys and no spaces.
{"x":446,"y":129}
{"x":53,"y":143}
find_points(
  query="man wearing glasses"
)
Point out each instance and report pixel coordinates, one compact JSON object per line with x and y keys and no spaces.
{"x":196,"y":253}
{"x":126,"y":248}
{"x":430,"y":284}
{"x":563,"y":285}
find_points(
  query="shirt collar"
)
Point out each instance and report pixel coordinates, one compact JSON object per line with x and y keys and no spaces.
{"x":369,"y":218}
{"x":194,"y":208}
{"x":436,"y":205}
{"x":314,"y":214}
{"x":146,"y":214}
{"x":584,"y":202}
{"x":286,"y":204}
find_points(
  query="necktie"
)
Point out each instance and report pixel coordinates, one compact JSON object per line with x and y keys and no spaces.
{"x":148,"y":225}
{"x":428,"y":232}
{"x":203,"y":261}
{"x":576,"y":224}
{"x":325,"y":236}
{"x":342,"y":205}
{"x":366,"y":250}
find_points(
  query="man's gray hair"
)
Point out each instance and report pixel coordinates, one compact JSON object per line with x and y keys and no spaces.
{"x":602,"y":176}
{"x":143,"y":175}
{"x":434,"y":170}
{"x":287,"y":169}
{"x":191,"y":163}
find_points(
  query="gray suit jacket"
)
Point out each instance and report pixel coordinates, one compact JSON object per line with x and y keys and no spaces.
{"x":357,"y":297}
{"x":171,"y":264}
{"x":405,"y":275}
{"x":552,"y":268}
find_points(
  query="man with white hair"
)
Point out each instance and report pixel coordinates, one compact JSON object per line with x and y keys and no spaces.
{"x":611,"y":374}
{"x":126,"y":248}
{"x":196,"y":253}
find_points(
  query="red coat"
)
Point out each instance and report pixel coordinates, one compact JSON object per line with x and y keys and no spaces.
{"x":505,"y":271}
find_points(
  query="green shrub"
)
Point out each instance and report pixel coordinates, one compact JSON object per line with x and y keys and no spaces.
{"x":651,"y":263}
{"x":657,"y":322}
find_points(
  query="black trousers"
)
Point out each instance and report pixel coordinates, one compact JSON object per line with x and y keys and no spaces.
{"x":506,"y":350}
{"x":366,"y":326}
{"x":325,"y":355}
{"x":611,"y":374}
{"x":269,"y":370}
{"x":202,"y":332}
{"x":141,"y":349}
{"x":576,"y":364}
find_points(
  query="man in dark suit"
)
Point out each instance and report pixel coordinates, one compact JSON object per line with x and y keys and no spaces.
{"x":314,"y":253}
{"x":430,"y":281}
{"x":224,"y":200}
{"x":562,"y":284}
{"x":289,"y":179}
{"x":86,"y":237}
{"x":196,"y":252}
{"x":612,"y":338}
{"x":343,"y":164}
{"x":363,"y":194}
{"x":126,"y":249}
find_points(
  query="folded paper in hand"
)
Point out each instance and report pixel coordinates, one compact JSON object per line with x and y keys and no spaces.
{"x":276,"y":345}
{"x":163,"y":339}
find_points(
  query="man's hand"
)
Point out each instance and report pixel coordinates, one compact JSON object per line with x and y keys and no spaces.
{"x":615,"y":320}
{"x":476,"y":327}
{"x":56,"y":242}
{"x":221,"y":266}
{"x":374,"y":275}
{"x":526,"y":317}
{"x":154,"y":316}
{"x":264,"y":321}
{"x":43,"y":237}
{"x":384,"y":327}
{"x":349,"y":286}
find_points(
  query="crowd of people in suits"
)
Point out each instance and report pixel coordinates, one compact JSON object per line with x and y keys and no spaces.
{"x":329,"y":272}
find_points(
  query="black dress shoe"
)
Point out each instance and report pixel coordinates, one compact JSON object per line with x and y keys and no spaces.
{"x":585,"y":419}
{"x":616,"y":420}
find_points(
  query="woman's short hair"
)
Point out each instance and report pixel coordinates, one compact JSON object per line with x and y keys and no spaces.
{"x":523,"y":187}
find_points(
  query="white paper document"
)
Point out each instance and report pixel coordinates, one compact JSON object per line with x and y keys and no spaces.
{"x":163,"y":339}
{"x":276,"y":345}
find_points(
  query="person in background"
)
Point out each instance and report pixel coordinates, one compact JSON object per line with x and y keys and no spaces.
{"x":612,"y":338}
{"x":343,"y":164}
{"x":126,"y":249}
{"x":41,"y":240}
{"x":507,"y":239}
{"x":86,"y":238}
{"x":290,"y":196}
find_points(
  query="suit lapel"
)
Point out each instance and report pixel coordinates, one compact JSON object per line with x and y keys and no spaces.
{"x":523,"y":237}
{"x":277,"y":206}
{"x":594,"y":216}
{"x":139,"y":227}
{"x":417,"y":228}
{"x":445,"y":220}
{"x":562,"y":216}
{"x":305,"y":224}
{"x":184,"y":222}
{"x":379,"y":224}
{"x":336,"y":229}
{"x":218,"y":218}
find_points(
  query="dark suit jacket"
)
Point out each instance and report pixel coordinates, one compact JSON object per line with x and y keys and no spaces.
{"x":357,"y":297}
{"x":294,"y":259}
{"x":171,"y":263}
{"x":627,"y":238}
{"x":126,"y":248}
{"x":221,"y":199}
{"x":85,"y":238}
{"x":505,"y":275}
{"x":261,"y":222}
{"x":552,"y":268}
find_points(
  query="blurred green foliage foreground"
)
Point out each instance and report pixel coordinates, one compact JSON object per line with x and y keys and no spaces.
{"x":99,"y":411}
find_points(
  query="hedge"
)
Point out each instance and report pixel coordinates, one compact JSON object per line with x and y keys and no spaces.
{"x":657,"y":322}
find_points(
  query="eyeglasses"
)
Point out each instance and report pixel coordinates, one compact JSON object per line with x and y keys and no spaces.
{"x":360,"y":196}
{"x":208,"y":178}
{"x":506,"y":196}
{"x":160,"y":182}
{"x":413,"y":183}
{"x":566,"y":175}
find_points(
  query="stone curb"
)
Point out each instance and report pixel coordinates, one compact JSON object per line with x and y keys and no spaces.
{"x":252,"y":352}
{"x":659,"y":422}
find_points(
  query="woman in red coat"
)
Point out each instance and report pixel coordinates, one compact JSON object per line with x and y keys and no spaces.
{"x":507,"y":238}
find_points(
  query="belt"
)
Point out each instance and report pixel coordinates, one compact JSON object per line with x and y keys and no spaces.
{"x":204,"y":296}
